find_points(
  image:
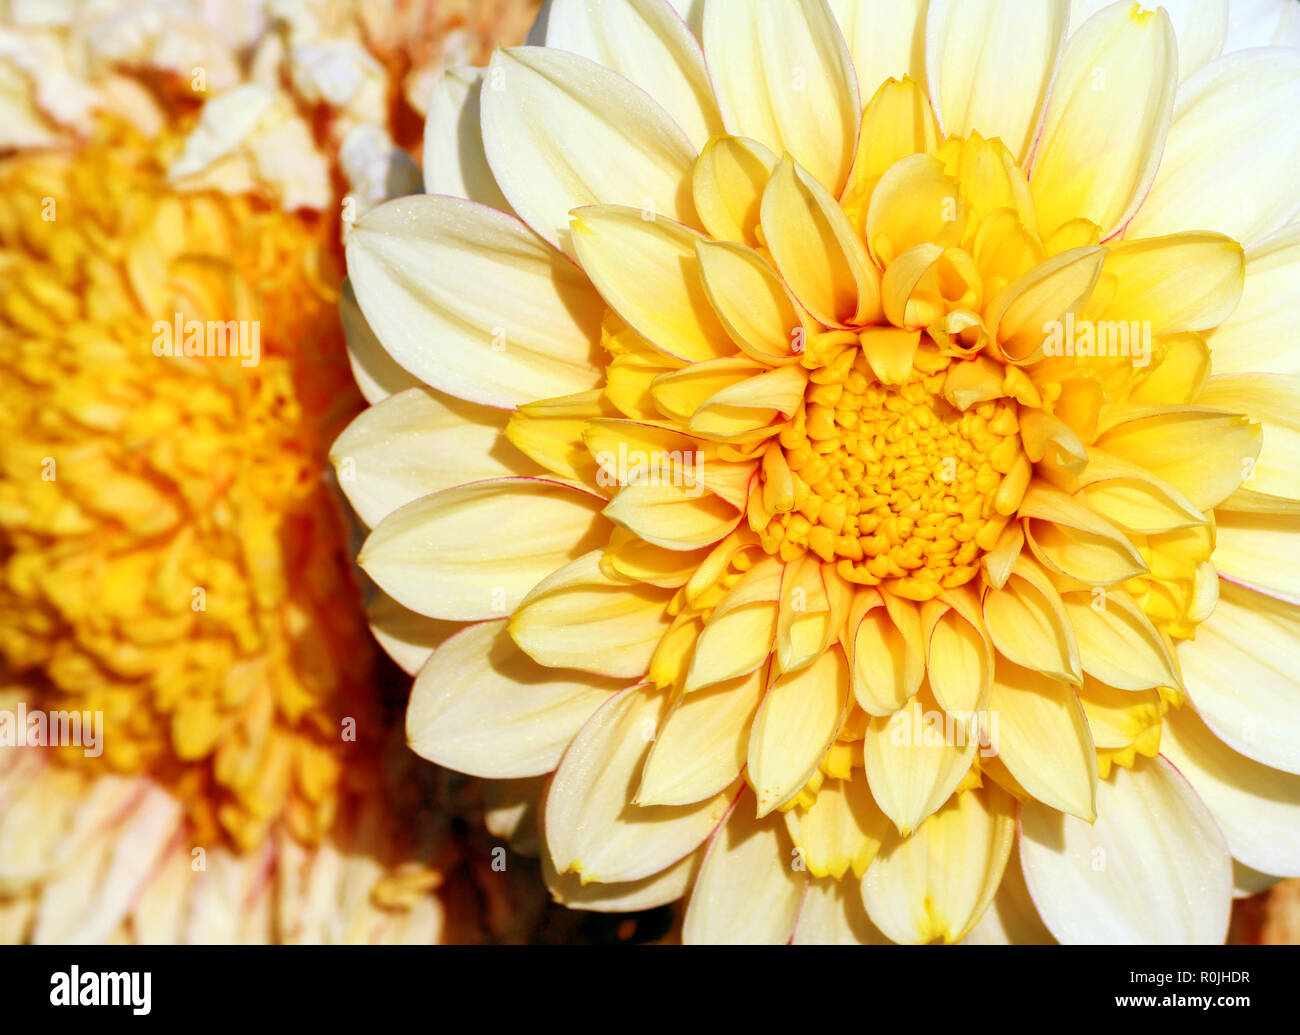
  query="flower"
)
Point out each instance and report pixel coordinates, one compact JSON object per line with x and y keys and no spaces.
{"x":824,"y":443}
{"x":174,"y":569}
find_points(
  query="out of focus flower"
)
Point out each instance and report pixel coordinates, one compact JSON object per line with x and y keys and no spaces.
{"x":173,"y":568}
{"x":771,"y":487}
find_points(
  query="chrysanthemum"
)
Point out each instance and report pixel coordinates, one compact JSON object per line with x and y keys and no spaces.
{"x":859,"y":451}
{"x":171,"y":558}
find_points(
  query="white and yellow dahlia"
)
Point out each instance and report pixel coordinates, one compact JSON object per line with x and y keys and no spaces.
{"x":843,"y":454}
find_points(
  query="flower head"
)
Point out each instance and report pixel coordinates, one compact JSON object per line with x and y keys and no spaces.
{"x":820,"y":438}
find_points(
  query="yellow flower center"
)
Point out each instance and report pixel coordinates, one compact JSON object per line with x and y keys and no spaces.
{"x":891,"y":482}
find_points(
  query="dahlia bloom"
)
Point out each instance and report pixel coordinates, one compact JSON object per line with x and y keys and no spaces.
{"x":841,"y":454}
{"x":174,"y":569}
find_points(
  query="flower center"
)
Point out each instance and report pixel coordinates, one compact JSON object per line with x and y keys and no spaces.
{"x":889,"y":482}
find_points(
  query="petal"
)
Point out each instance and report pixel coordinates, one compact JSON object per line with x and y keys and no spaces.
{"x":1028,"y":623}
{"x":468,"y":300}
{"x":454,"y":160}
{"x":990,"y":65}
{"x":647,"y":271}
{"x":1204,"y":453}
{"x":407,"y":637}
{"x":1200,"y":25}
{"x":581,"y":618}
{"x":592,"y":827}
{"x":1069,"y":538}
{"x":728,"y":187}
{"x":794,"y":728}
{"x":1233,"y":141}
{"x":674,"y":517}
{"x":1257,"y":808}
{"x":1011,"y":918}
{"x":841,"y":829}
{"x":784,"y":77}
{"x":958,"y":654}
{"x":888,"y":652}
{"x":658,"y":889}
{"x":1117,"y":642}
{"x":1153,"y":869}
{"x":1260,"y":551}
{"x":833,"y":914}
{"x":445,"y":442}
{"x":376,"y":372}
{"x":742,"y":629}
{"x":886,"y":39}
{"x":1270,"y":399}
{"x":749,"y":860}
{"x":701,"y":749}
{"x":646,"y":42}
{"x":1241,"y":675}
{"x":915,"y":759}
{"x":817,"y":250}
{"x":1043,"y":739}
{"x":1256,"y":336}
{"x":751,"y":301}
{"x":1106,"y":120}
{"x":1184,"y":282}
{"x":1020,"y":314}
{"x":912,"y":890}
{"x":474,"y":551}
{"x":562,"y":132}
{"x":482,"y":706}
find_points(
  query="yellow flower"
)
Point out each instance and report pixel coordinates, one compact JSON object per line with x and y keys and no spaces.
{"x":174,"y":570}
{"x":820,"y":446}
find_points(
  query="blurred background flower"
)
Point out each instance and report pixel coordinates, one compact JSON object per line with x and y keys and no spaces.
{"x":171,"y":558}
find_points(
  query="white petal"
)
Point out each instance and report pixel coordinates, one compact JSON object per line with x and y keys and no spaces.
{"x":407,"y":637}
{"x":886,"y":39}
{"x":749,"y":862}
{"x":833,"y":914}
{"x":562,"y":132}
{"x":454,"y":160}
{"x":1231,"y":151}
{"x":469,"y":301}
{"x":377,"y":373}
{"x":784,"y":76}
{"x":1200,"y":25}
{"x":484,"y":707}
{"x":592,"y":827}
{"x":417,"y":442}
{"x":1242,"y":675}
{"x":648,"y":43}
{"x":1257,"y":808}
{"x":1257,"y":336}
{"x":475,"y":551}
{"x":1153,"y":869}
{"x":990,"y":65}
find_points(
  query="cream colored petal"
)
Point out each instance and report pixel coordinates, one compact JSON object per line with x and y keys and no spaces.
{"x":407,"y":637}
{"x":668,"y":885}
{"x":912,"y":890}
{"x":646,"y":42}
{"x":1260,"y":551}
{"x":1257,"y":808}
{"x":784,"y":76}
{"x":915,"y":759}
{"x":454,"y":160}
{"x":1011,"y":918}
{"x":1106,"y":120}
{"x":482,"y":706}
{"x":468,"y":300}
{"x":886,"y":39}
{"x":419,"y":442}
{"x":1200,"y":25}
{"x":592,"y":827}
{"x":1153,"y":869}
{"x":1242,"y":677}
{"x":647,"y":271}
{"x":990,"y":64}
{"x":1257,"y":336}
{"x":701,"y":749}
{"x":562,"y":131}
{"x":474,"y":551}
{"x":1233,"y":139}
{"x":1270,"y":399}
{"x":833,"y":914}
{"x":1042,"y":737}
{"x":581,"y":618}
{"x":749,"y":861}
{"x":794,"y":728}
{"x":377,"y":374}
